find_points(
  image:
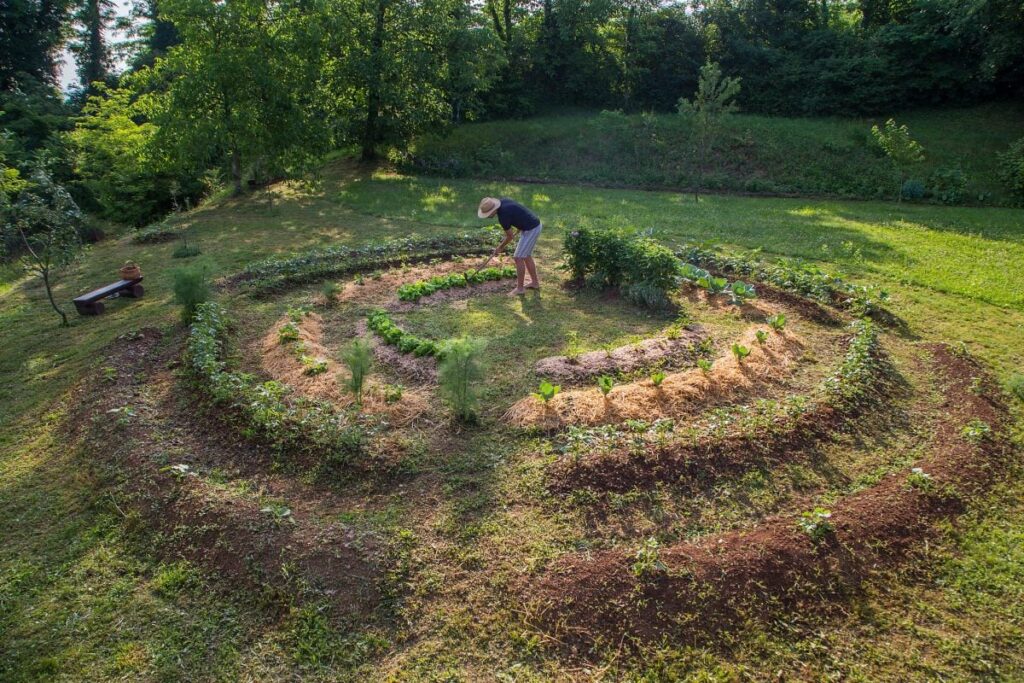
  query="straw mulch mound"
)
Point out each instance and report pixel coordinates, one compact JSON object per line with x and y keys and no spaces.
{"x":681,"y":393}
{"x":668,"y":353}
{"x":281,"y":363}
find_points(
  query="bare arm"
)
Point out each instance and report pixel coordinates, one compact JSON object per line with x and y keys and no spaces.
{"x":509,"y":235}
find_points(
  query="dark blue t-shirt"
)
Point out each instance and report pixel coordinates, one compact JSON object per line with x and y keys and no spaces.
{"x":512,"y":214}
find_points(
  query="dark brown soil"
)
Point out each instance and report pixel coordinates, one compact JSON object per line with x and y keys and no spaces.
{"x":649,"y":353}
{"x":151,"y":455}
{"x":724,"y":579}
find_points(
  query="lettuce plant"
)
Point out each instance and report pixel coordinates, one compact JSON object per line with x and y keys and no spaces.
{"x":761,"y":336}
{"x":777,"y":322}
{"x":740,"y":351}
{"x":547,"y":391}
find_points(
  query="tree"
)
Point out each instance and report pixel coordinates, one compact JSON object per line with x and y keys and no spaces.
{"x":31,"y":34}
{"x":46,"y":221}
{"x":902,"y":150}
{"x":712,"y":103}
{"x":90,"y":47}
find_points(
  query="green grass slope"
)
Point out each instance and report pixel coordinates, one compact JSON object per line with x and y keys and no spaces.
{"x":756,"y":154}
{"x":82,"y":600}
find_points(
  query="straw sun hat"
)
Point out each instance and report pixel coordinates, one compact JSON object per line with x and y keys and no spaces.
{"x":488,"y":207}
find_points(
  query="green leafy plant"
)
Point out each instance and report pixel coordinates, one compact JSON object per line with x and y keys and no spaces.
{"x":109,"y":374}
{"x":740,"y":293}
{"x":313,"y":366}
{"x":976,"y":431}
{"x":647,"y":560}
{"x":459,"y":372}
{"x":414,"y":291}
{"x":902,"y":150}
{"x":358,"y":280}
{"x":777,"y":321}
{"x":712,"y":104}
{"x":380,"y":323}
{"x":547,"y":391}
{"x":358,"y":358}
{"x":761,"y":336}
{"x":919,"y":479}
{"x":393,"y":393}
{"x":605,"y":384}
{"x":740,"y":351}
{"x":816,"y":523}
{"x":191,"y":288}
{"x":657,"y":377}
{"x":288,"y":333}
{"x":573,"y":347}
{"x":704,"y":364}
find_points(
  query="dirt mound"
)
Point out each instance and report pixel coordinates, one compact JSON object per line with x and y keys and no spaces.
{"x":145,"y":453}
{"x":661,"y":351}
{"x":681,"y":393}
{"x":281,"y":363}
{"x":703,"y":585}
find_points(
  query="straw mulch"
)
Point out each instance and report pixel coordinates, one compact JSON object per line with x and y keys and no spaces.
{"x":281,"y":363}
{"x":681,"y":393}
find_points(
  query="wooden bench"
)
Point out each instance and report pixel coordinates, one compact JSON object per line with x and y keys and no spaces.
{"x":92,"y":303}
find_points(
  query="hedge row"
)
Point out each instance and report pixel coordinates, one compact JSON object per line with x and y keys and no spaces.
{"x":280,"y":272}
{"x":296,"y":426}
{"x":794,"y":276}
{"x":643,"y":270}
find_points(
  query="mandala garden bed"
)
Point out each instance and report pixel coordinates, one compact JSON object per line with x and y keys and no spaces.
{"x":752,"y":376}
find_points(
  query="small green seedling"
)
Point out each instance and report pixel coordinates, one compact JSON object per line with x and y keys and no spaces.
{"x":359,"y":279}
{"x":393,"y":393}
{"x":313,"y":366}
{"x":658,"y":377}
{"x":816,"y":523}
{"x":605,"y":384}
{"x":777,"y":322}
{"x":704,"y":364}
{"x":573,"y":348}
{"x":109,"y":374}
{"x":647,"y":560}
{"x":976,"y":431}
{"x":547,"y":391}
{"x":740,"y":293}
{"x":740,"y":351}
{"x":919,"y":479}
{"x":762,"y":336}
{"x":330,"y":291}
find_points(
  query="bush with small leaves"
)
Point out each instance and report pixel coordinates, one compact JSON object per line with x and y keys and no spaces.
{"x":816,"y":523}
{"x":358,"y":358}
{"x":605,"y":384}
{"x":573,"y":347}
{"x":657,"y":378}
{"x":704,"y":364}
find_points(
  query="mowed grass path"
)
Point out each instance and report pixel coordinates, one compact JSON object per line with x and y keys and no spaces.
{"x":79,"y":601}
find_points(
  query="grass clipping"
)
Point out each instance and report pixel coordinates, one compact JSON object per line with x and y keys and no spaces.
{"x":681,"y":393}
{"x":281,"y":363}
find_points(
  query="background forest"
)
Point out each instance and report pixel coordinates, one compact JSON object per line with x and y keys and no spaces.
{"x":245,"y":91}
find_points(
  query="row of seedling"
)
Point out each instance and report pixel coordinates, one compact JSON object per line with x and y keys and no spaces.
{"x":739,"y":292}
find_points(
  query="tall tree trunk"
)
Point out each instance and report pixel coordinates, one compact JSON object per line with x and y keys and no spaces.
{"x":370,"y":128}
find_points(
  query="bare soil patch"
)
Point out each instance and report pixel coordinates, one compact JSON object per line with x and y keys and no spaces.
{"x":720,"y":580}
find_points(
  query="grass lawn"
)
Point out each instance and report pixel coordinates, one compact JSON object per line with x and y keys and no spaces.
{"x":81,"y":598}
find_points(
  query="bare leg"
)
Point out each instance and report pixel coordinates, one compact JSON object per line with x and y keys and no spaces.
{"x":520,"y":275}
{"x":531,"y":268}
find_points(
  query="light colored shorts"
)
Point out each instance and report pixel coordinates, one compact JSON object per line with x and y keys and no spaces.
{"x":527,"y":240}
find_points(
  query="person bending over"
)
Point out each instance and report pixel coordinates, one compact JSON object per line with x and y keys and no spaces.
{"x":514,"y":216}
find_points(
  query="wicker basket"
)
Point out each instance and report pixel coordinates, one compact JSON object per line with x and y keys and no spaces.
{"x":130,"y":271}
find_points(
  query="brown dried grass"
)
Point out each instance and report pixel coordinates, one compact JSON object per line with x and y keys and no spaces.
{"x":280,"y":362}
{"x":681,"y":393}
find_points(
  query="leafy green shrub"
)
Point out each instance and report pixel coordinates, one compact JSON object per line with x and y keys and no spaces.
{"x":912,"y":189}
{"x":1011,"y":168}
{"x":605,"y":384}
{"x":191,"y":288}
{"x":704,"y":364}
{"x":155,"y":233}
{"x":643,"y":270}
{"x":358,"y":359}
{"x":948,"y":185}
{"x":458,"y":375}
